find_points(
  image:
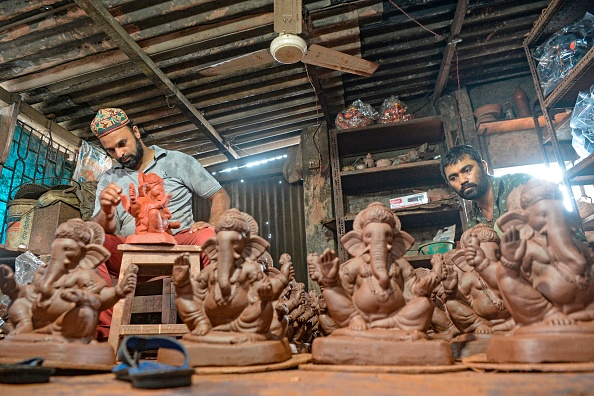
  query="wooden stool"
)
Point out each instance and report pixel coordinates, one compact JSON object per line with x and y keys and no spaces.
{"x":152,"y":260}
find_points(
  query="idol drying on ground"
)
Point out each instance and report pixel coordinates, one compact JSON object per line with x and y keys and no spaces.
{"x":57,"y":314}
{"x":545,"y":278}
{"x":229,"y":306}
{"x":381,"y":307}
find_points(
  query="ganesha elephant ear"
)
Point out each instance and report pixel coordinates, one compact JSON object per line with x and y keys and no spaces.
{"x":511,"y":219}
{"x":95,"y":256}
{"x":458,"y":257}
{"x":266,"y":260}
{"x":252,"y":224}
{"x":254,"y":248}
{"x":402,"y":242}
{"x":515,"y":219}
{"x":210,"y":249}
{"x":353,"y":244}
{"x":97,"y":233}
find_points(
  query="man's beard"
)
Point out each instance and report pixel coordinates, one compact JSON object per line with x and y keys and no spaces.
{"x":478,"y":189}
{"x":131,"y":161}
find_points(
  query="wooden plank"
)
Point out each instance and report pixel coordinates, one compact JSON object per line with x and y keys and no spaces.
{"x":162,"y":329}
{"x":8,"y":120}
{"x":97,"y":12}
{"x":517,"y":124}
{"x":320,"y":382}
{"x":37,"y":120}
{"x":446,"y":64}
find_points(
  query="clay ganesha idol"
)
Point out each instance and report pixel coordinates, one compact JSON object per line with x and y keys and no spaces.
{"x":381,"y":307}
{"x":545,"y":278}
{"x":229,"y":306}
{"x":472,"y":297}
{"x":60,"y":308}
{"x":149,"y":208}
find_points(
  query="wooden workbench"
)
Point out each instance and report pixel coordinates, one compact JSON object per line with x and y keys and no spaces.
{"x":301,"y":382}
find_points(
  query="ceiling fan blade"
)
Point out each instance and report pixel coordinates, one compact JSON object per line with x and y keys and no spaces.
{"x":257,"y":58}
{"x":331,"y":59}
{"x":287,"y":16}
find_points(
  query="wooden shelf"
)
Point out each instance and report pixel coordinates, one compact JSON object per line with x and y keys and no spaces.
{"x":561,"y":122}
{"x":392,"y":177}
{"x":588,"y":223}
{"x":582,"y":172}
{"x":558,"y":15}
{"x":411,"y":218}
{"x":419,"y":261}
{"x":386,"y":137}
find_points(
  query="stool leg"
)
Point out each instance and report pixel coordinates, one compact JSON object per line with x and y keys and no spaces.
{"x":122,"y":311}
{"x":168,"y":310}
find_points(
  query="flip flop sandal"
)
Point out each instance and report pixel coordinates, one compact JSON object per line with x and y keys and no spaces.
{"x":28,"y":371}
{"x":148,"y":374}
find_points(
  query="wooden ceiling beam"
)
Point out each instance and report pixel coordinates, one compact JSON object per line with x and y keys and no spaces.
{"x":118,"y":34}
{"x":446,"y":64}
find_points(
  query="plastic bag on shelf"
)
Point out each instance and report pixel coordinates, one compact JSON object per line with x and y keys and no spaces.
{"x":581,"y":143}
{"x":358,"y":114}
{"x":582,"y":116}
{"x":393,"y":110}
{"x":562,"y":51}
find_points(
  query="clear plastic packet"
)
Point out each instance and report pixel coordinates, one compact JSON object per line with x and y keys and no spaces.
{"x":25,"y":266}
{"x":358,"y":114}
{"x":393,"y":110}
{"x":4,"y":304}
{"x":447,"y":234}
{"x":562,"y":51}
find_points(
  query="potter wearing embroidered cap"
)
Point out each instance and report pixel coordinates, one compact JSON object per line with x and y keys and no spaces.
{"x":182,"y":175}
{"x":108,"y":120}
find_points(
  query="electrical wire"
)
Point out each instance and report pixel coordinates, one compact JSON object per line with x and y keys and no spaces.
{"x":459,"y":118}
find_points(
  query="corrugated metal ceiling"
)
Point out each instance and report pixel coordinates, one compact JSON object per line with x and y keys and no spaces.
{"x":65,"y":64}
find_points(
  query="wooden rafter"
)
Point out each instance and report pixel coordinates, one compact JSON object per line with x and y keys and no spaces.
{"x":97,"y":12}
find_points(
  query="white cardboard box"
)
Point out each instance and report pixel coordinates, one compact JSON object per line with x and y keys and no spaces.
{"x":409,"y":200}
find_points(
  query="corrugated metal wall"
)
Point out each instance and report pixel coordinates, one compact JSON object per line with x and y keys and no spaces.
{"x":278,"y":208}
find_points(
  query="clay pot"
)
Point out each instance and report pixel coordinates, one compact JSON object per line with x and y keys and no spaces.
{"x":522,"y":105}
{"x":488,"y":113}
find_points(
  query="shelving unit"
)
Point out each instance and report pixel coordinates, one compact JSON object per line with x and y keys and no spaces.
{"x":385,"y":138}
{"x":559,"y":14}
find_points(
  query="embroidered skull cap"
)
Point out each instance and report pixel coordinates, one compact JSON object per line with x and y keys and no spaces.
{"x":108,"y":120}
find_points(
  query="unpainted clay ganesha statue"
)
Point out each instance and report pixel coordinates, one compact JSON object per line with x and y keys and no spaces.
{"x":231,"y":301}
{"x":544,"y":276}
{"x":546,"y":272}
{"x":377,"y":288}
{"x":63,"y":302}
{"x":472,"y":297}
{"x":149,"y":207}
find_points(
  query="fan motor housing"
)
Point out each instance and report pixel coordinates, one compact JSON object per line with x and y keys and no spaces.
{"x":288,"y":48}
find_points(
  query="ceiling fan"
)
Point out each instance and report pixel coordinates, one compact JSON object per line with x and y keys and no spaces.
{"x":290,"y":48}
